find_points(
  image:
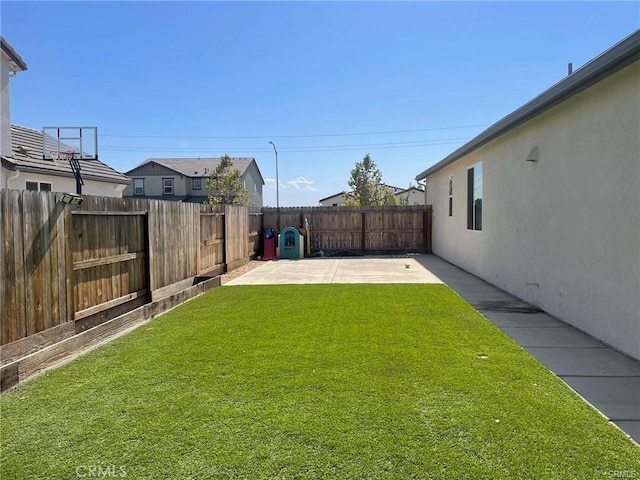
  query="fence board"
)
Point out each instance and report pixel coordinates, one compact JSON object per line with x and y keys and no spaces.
{"x":46,"y":239}
{"x":255,"y":229}
{"x":236,"y":236}
{"x":28,"y":286}
{"x":212,"y":251}
{"x":173,"y":250}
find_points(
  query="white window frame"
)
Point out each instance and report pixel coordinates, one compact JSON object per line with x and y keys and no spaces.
{"x":135,"y":188}
{"x":38,"y":186}
{"x":167,"y":188}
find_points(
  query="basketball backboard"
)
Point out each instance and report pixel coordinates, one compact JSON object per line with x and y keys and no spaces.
{"x":79,"y":143}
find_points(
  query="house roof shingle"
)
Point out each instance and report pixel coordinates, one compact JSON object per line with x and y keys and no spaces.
{"x":609,"y":62}
{"x":26,"y":146}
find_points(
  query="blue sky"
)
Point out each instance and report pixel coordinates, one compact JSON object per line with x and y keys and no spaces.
{"x":327,"y":82}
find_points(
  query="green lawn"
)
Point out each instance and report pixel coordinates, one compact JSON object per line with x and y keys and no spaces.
{"x":309,"y":382}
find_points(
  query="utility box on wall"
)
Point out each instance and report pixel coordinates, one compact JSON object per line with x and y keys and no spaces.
{"x":291,"y":243}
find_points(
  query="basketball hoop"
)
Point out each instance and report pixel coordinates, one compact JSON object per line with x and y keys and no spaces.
{"x":59,"y":156}
{"x":69,"y":143}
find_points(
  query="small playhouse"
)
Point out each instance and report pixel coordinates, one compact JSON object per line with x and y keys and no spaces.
{"x":291,"y":243}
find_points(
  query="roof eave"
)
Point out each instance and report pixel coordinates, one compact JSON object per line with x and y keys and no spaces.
{"x":616,"y":58}
{"x":9,"y":165}
{"x":16,"y":62}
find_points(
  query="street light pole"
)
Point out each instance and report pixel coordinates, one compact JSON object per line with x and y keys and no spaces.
{"x":277,"y":183}
{"x":277,"y":180}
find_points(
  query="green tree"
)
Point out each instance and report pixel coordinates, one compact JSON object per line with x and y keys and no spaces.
{"x":225,"y":186}
{"x":367,"y":186}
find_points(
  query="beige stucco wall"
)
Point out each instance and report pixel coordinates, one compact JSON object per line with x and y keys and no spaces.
{"x":336,"y":200}
{"x":5,"y":107}
{"x":564,"y":232}
{"x":251,"y":181}
{"x":18,"y":180}
{"x":414,"y":197}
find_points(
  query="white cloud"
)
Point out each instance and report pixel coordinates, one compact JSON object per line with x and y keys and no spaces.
{"x":302,"y":183}
{"x":271,"y":183}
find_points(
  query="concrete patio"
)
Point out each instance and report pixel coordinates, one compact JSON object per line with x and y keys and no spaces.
{"x":604,"y":377}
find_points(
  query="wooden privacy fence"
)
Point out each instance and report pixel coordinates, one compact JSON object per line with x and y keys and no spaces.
{"x":66,"y":269}
{"x":363,"y":229}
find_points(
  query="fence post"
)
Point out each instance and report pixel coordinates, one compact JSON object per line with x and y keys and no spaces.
{"x":147,"y":258}
{"x":426,"y":225}
{"x":225,"y":240}
{"x":70,"y":280}
{"x":363,"y":238}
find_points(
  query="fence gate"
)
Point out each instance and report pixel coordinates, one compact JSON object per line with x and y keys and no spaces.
{"x":110,"y":265}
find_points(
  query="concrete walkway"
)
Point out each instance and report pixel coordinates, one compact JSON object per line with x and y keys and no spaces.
{"x":605,"y":378}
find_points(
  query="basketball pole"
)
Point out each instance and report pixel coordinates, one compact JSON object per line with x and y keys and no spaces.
{"x":75,"y":167}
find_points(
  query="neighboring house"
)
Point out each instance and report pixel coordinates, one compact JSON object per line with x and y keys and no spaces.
{"x":25,"y":169}
{"x":412,"y":196}
{"x":185,"y":179}
{"x":545,"y":204}
{"x":21,"y":151}
{"x":335,"y":200}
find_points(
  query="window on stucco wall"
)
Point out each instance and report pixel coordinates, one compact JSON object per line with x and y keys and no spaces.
{"x":138,"y":186}
{"x":451,"y":195}
{"x":167,"y":186}
{"x":38,"y":186}
{"x":474,"y":197}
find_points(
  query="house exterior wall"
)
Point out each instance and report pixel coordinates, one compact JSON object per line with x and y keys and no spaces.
{"x":413,"y":196}
{"x":563,"y":232}
{"x":153,"y":185}
{"x":5,"y":108}
{"x":336,"y":200}
{"x":183,"y":185}
{"x":18,"y":180}
{"x":202,"y":192}
{"x":252,"y":181}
